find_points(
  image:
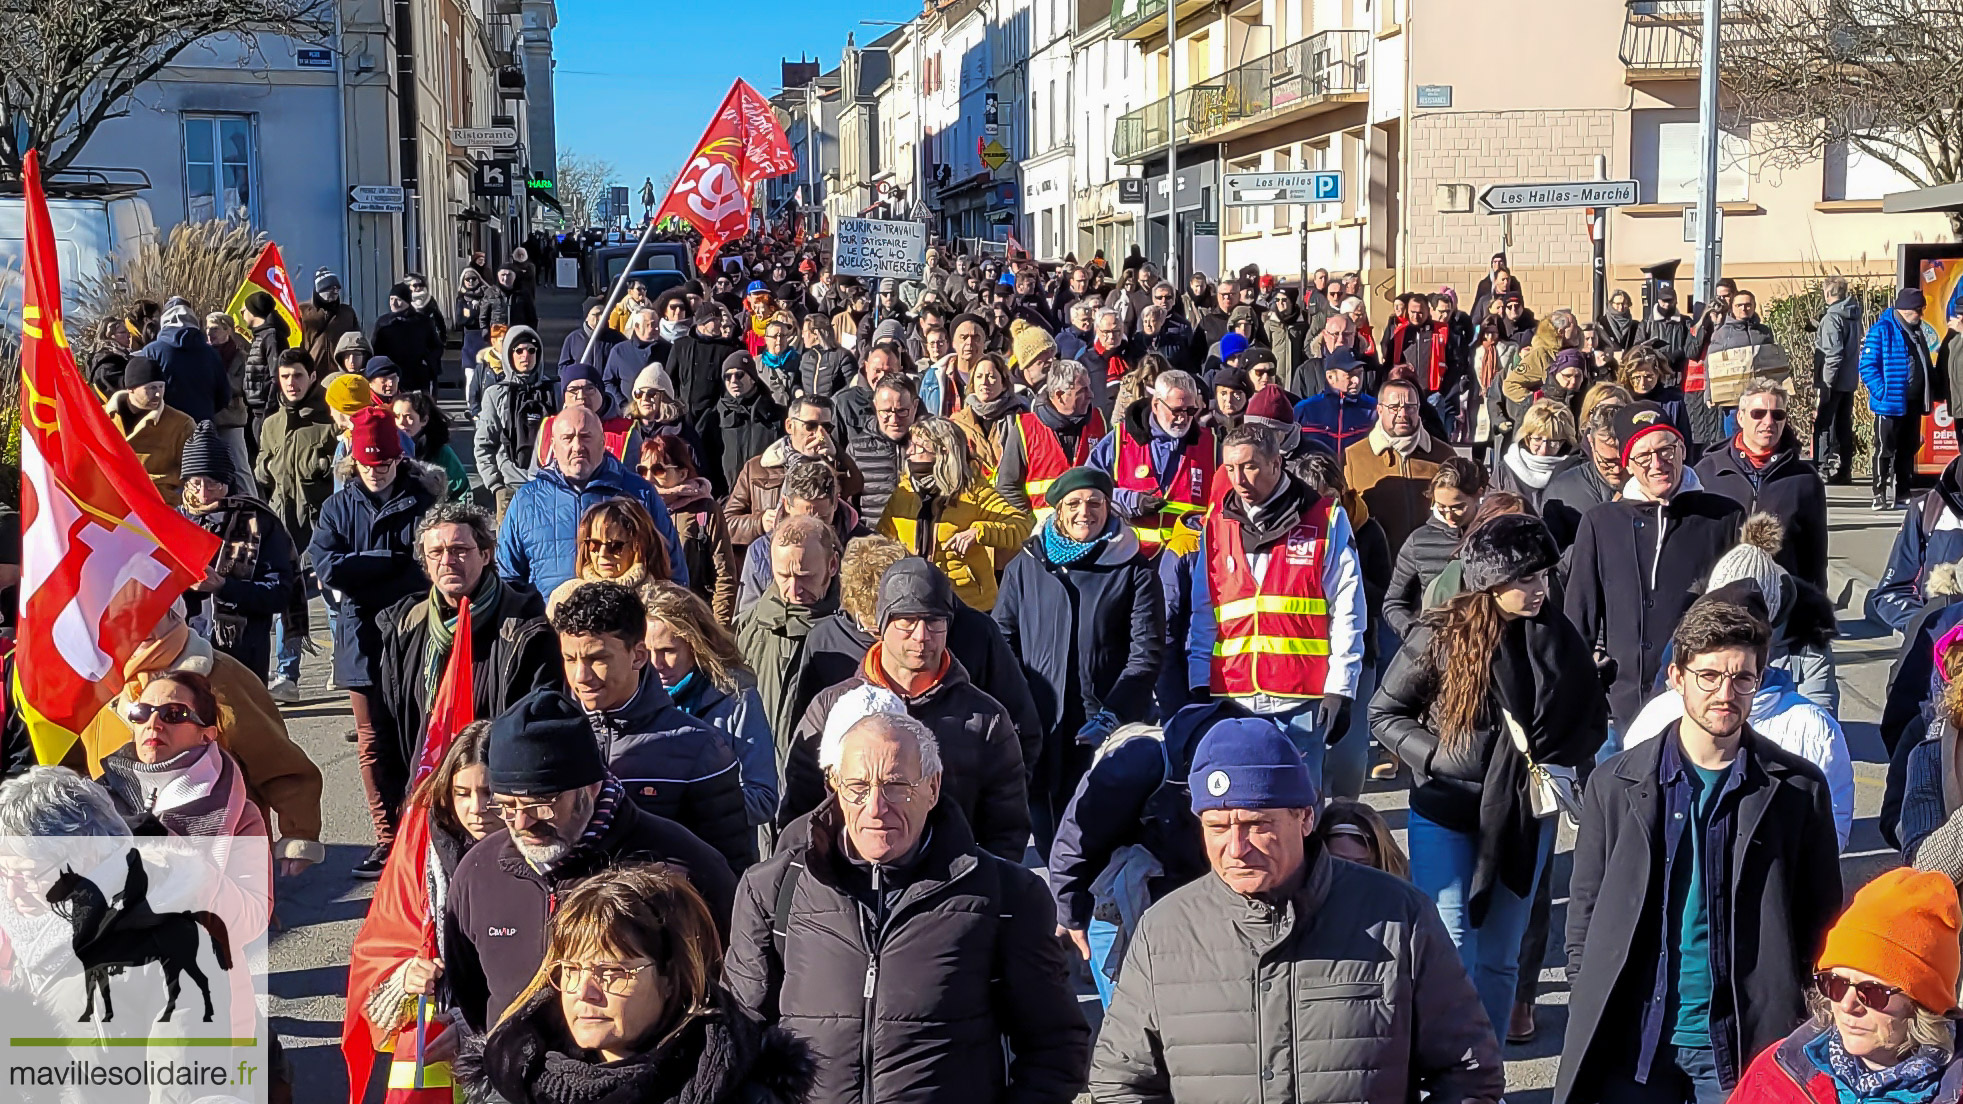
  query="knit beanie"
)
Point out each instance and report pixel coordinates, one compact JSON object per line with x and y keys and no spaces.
{"x":380,"y":366}
{"x":1247,"y":763}
{"x":349,"y":393}
{"x":326,"y":281}
{"x":1910,"y":299}
{"x":376,"y":438}
{"x":853,"y":706}
{"x":140,"y":370}
{"x":1638,"y":420}
{"x":655,"y":376}
{"x":1506,"y":549}
{"x":1031,"y":343}
{"x":1752,"y":560}
{"x":1077,"y":479}
{"x":1232,"y":346}
{"x":912,"y":587}
{"x":1234,"y":376}
{"x":206,"y":455}
{"x":541,"y":746}
{"x":1902,"y":928}
{"x":1270,"y":403}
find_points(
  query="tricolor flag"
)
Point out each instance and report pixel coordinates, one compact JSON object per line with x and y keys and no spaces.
{"x":269,"y":275}
{"x":102,"y":556}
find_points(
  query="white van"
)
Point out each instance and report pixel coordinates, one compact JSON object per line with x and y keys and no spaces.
{"x":94,"y":218}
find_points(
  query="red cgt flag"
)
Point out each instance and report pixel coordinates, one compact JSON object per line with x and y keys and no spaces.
{"x":102,"y":556}
{"x":399,"y":925}
{"x":743,"y":145}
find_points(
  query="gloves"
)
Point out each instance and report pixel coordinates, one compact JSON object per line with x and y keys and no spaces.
{"x":1150,"y":504}
{"x":1097,"y":728}
{"x":1334,"y":717}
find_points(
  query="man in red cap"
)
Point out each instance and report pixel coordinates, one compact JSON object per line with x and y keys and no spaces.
{"x":1638,"y":558}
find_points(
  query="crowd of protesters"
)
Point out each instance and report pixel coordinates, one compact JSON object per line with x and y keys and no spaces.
{"x":853,"y":658}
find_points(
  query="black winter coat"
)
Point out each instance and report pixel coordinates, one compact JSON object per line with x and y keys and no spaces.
{"x":1789,"y":488}
{"x":260,"y":568}
{"x":408,"y":338}
{"x":261,"y":360}
{"x":826,"y":371}
{"x":499,"y":907}
{"x":1574,"y":490}
{"x":983,"y":772}
{"x":364,"y":547}
{"x":1784,"y":870}
{"x":880,"y":460}
{"x":1425,"y":553}
{"x":513,"y":653}
{"x":695,"y":364}
{"x":679,"y":767}
{"x":735,"y":430}
{"x":1625,"y":598}
{"x":906,"y":996}
{"x":1097,"y":625}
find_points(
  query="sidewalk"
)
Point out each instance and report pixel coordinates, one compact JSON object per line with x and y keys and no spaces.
{"x":1858,"y":549}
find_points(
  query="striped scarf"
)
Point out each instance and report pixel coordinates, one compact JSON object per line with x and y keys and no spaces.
{"x":443,"y":628}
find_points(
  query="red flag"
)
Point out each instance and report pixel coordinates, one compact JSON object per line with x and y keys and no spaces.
{"x":399,"y":925}
{"x":269,"y":275}
{"x":102,"y":556}
{"x":743,"y":145}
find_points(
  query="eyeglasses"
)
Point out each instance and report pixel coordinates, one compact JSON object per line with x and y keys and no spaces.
{"x":571,"y":977}
{"x":812,"y":423}
{"x":859,"y":791}
{"x":1872,"y":994}
{"x":172,"y":713}
{"x":1762,"y":413}
{"x":1180,"y":411}
{"x":1397,"y":406}
{"x":595,"y":546}
{"x":450,"y":552}
{"x":541,"y":811}
{"x":1655,"y":458}
{"x":1744,"y":682}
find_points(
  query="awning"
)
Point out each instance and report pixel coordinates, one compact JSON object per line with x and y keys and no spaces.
{"x":547,"y":198}
{"x":1942,"y":198}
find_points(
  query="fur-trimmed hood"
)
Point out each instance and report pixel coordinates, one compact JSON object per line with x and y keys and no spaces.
{"x":722,"y":1058}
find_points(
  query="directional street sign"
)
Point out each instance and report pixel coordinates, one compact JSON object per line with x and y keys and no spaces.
{"x":1500,"y":198}
{"x":493,"y":178}
{"x":1260,"y":189}
{"x":484,"y":136}
{"x":377,"y":199}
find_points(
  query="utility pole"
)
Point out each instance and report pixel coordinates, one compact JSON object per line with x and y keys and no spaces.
{"x":1708,"y":134}
{"x":1172,"y":143}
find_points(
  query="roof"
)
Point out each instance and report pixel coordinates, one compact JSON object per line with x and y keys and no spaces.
{"x":1941,"y":198}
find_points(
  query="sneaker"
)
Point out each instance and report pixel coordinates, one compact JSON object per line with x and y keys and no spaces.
{"x":370,"y":868}
{"x":1520,"y":1027}
{"x":1883,"y":504}
{"x":284,"y":690}
{"x":1385,"y":769}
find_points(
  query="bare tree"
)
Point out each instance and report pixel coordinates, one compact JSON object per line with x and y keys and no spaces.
{"x":581,"y":184}
{"x":1876,"y":76}
{"x":68,"y":66}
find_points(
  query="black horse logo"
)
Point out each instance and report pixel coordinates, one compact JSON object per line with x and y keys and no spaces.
{"x":109,"y":940}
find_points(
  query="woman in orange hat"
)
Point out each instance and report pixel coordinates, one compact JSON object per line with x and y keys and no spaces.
{"x":1880,"y":1029}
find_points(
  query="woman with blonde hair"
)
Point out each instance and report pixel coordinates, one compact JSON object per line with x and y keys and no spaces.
{"x":702,"y":669}
{"x":627,"y":1007}
{"x":1543,"y":445}
{"x":618,"y":543}
{"x":1351,"y":830}
{"x":946,"y":513}
{"x":991,"y":402}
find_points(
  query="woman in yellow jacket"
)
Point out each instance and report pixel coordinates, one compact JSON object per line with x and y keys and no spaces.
{"x":955,"y":530}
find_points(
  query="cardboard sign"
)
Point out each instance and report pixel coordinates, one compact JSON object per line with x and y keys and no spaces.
{"x":879,"y":248}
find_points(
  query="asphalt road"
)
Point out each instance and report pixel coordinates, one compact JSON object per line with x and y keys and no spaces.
{"x":320,"y":911}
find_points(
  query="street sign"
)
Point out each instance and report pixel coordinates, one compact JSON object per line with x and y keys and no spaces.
{"x":991,"y":114}
{"x":622,"y":206}
{"x":313,"y":58}
{"x":1434,"y":95}
{"x":484,"y":136}
{"x":1131,"y":189}
{"x":1260,"y":189}
{"x":1206,"y":229}
{"x":1693,"y":223}
{"x":1500,"y":198}
{"x":493,"y":178}
{"x":878,"y":248}
{"x":377,"y":199}
{"x":994,"y":154}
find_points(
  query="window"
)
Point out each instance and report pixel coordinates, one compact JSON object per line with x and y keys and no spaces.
{"x":1851,"y":174}
{"x":1667,"y":160}
{"x":1052,"y":120}
{"x":218,"y":168}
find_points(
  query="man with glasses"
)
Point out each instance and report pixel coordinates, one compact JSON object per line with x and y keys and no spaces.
{"x":986,"y":776}
{"x":880,"y":455}
{"x":754,"y":503}
{"x":1391,"y":466}
{"x":565,"y":820}
{"x":1638,"y":560}
{"x":1161,"y":459}
{"x":1057,"y":434}
{"x":901,"y":952}
{"x":1706,"y":875}
{"x":1762,"y":469}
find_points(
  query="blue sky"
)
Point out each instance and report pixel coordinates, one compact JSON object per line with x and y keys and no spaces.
{"x":636,"y":82}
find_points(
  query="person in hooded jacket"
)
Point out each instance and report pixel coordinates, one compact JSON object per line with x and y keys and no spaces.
{"x":823,"y":368}
{"x":697,"y":358}
{"x":425,"y":304}
{"x":194,"y":377}
{"x":744,"y":422}
{"x":1761,"y":469}
{"x":1084,"y":612}
{"x":326,"y":318}
{"x":478,"y":308}
{"x":406,"y":336}
{"x":516,"y":404}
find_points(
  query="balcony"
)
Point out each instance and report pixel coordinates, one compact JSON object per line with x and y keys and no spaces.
{"x":1319,"y":73}
{"x":1136,"y":19}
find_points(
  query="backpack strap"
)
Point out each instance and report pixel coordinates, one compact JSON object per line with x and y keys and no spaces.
{"x":1932,"y":511}
{"x":780,"y":915}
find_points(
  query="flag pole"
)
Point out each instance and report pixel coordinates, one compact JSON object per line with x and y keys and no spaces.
{"x":614,"y":295}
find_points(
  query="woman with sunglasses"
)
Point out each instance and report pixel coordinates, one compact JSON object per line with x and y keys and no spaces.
{"x":1880,"y":1028}
{"x":618,"y":543}
{"x":656,"y":413}
{"x":627,"y":1007}
{"x":713,"y":569}
{"x":173,"y":774}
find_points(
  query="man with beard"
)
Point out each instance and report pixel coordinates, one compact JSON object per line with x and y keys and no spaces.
{"x":324,"y":318}
{"x":566,"y":821}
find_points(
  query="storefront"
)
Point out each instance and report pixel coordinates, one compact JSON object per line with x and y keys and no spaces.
{"x":1193,"y":197}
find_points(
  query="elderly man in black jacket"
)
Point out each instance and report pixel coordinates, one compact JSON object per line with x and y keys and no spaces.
{"x":903,"y":952}
{"x":1761,"y":469}
{"x":986,"y":779}
{"x":565,"y":821}
{"x":1637,"y":561}
{"x":512,"y":650}
{"x":672,"y":765}
{"x":1706,"y":875}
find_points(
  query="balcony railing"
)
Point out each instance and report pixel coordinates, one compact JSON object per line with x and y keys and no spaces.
{"x":1128,"y":14}
{"x":1301,"y":74}
{"x":1663,"y":35}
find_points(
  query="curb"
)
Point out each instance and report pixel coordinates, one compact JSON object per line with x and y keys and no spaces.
{"x":1850,"y":590}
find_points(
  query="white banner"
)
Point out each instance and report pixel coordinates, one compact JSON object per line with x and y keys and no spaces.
{"x":877,"y":248}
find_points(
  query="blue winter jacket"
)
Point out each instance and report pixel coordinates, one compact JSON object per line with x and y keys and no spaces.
{"x":1931,"y":534}
{"x":1333,"y":422}
{"x":364,"y":550}
{"x":1889,"y":367}
{"x":194,"y":376}
{"x":539,"y":538}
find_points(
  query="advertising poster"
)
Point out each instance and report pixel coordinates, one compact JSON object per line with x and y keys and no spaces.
{"x":1938,"y":271}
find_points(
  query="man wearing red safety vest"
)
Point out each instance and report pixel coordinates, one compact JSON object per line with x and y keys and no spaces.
{"x":1050,"y":439}
{"x":1160,"y":458}
{"x":1278,"y":617}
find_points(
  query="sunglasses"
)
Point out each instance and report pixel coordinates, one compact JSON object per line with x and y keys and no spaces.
{"x":1872,"y":994}
{"x":595,"y":546}
{"x":173,"y":713}
{"x":1763,"y":413}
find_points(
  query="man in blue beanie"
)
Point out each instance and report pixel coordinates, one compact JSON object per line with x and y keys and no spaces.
{"x":1289,"y":974}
